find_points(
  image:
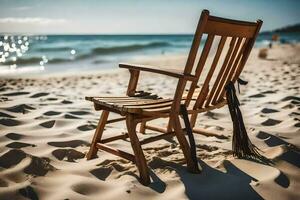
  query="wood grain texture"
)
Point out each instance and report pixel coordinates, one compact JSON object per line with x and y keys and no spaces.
{"x":169,"y":72}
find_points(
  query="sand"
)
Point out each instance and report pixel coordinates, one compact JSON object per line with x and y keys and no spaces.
{"x":46,"y":127}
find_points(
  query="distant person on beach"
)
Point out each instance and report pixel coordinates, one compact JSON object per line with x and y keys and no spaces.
{"x":275,"y":38}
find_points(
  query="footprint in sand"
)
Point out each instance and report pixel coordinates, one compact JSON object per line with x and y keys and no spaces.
{"x":271,"y":122}
{"x":67,"y":116}
{"x":291,"y":98}
{"x":71,"y":143}
{"x":9,"y":122}
{"x":37,"y":95}
{"x":295,"y":102}
{"x":85,"y":188}
{"x":66,"y":102}
{"x":11,"y":158}
{"x":86,"y":127}
{"x":257,"y":96}
{"x":51,"y":113}
{"x":2,"y":114}
{"x":16,"y":93}
{"x":48,"y":124}
{"x":269,"y":110}
{"x":21,"y":108}
{"x":51,"y":99}
{"x":38,"y":166}
{"x":14,"y":136}
{"x":269,"y":92}
{"x":102,"y":173}
{"x":288,"y":106}
{"x":19,"y":145}
{"x":79,"y":113}
{"x":70,"y":154}
{"x":29,"y":192}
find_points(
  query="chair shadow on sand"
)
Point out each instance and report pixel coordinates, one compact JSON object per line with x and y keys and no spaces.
{"x":212,"y":183}
{"x":292,"y":155}
{"x":209,"y":184}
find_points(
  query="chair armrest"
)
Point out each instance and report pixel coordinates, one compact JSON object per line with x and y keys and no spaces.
{"x":169,"y":72}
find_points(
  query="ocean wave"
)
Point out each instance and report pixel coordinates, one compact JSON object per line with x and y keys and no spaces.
{"x":60,"y":60}
{"x":127,"y":48}
{"x":47,"y":49}
{"x":35,"y":60}
{"x":24,"y":61}
{"x":94,"y":52}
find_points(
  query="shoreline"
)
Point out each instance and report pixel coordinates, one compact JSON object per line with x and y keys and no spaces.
{"x":113,"y":69}
{"x":174,"y":60}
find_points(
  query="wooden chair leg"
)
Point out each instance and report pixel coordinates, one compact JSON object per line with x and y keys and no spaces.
{"x":193,"y":120}
{"x":138,"y":152}
{"x":143,"y":127}
{"x":192,"y":167}
{"x":97,"y":135}
{"x":169,"y":126}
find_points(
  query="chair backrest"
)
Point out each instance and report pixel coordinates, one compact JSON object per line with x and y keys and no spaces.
{"x":240,"y":35}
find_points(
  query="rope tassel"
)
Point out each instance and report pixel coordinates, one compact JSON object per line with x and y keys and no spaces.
{"x":241,"y":144}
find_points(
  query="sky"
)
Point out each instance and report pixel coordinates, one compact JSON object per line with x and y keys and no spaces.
{"x":136,"y":16}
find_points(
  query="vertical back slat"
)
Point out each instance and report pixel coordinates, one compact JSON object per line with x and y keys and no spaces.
{"x":232,"y":58}
{"x":234,"y":67}
{"x":205,"y":88}
{"x":221,"y":73}
{"x":200,"y":66}
{"x":234,"y":73}
{"x":196,"y":42}
{"x":248,"y":50}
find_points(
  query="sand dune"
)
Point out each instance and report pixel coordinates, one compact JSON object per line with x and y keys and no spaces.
{"x":46,"y":127}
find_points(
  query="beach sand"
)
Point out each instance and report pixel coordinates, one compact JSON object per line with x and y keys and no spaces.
{"x":46,"y":127}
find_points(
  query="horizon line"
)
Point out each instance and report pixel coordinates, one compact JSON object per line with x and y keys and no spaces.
{"x":171,"y":33}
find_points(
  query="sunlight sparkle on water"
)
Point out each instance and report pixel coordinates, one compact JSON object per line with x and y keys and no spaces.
{"x":6,"y":47}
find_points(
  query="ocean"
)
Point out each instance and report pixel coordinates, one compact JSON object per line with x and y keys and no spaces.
{"x":45,"y":54}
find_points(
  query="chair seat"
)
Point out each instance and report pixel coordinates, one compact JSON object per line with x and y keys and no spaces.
{"x":144,"y":104}
{"x":138,"y":104}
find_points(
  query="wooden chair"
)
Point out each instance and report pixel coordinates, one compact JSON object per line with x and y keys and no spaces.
{"x":141,"y":107}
